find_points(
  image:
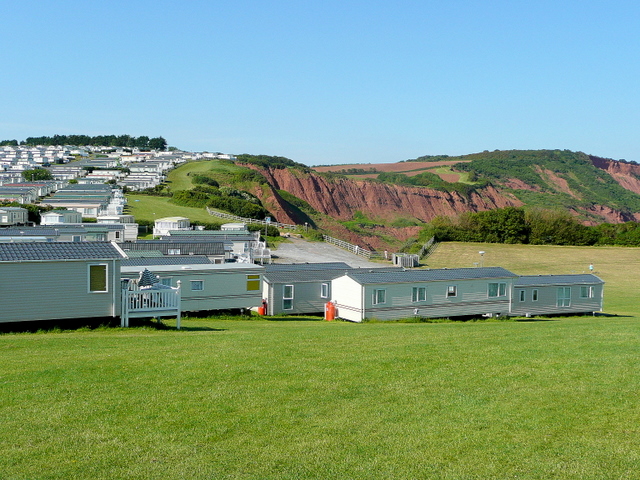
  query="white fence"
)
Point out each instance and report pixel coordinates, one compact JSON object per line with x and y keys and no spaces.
{"x":235,"y":218}
{"x":363,"y":252}
{"x":428,"y":248}
{"x":150,"y":304}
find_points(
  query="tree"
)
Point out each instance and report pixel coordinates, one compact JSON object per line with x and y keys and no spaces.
{"x":142,"y":142}
{"x":157,"y":143}
{"x":37,"y":174}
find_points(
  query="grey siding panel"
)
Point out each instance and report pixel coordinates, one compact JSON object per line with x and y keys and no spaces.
{"x":472,"y":299}
{"x":306,"y":298}
{"x":548,"y":298}
{"x":55,"y":290}
{"x":223,"y":289}
{"x":439,"y":311}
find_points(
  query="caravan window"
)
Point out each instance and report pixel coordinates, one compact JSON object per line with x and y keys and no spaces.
{"x":197,"y":285}
{"x":379,"y":296}
{"x":419,"y":294}
{"x":497,"y":289}
{"x":98,"y":278}
{"x":287,"y":297}
{"x":253,"y":282}
{"x":586,"y":292}
{"x":564,"y":296}
{"x":324,"y":290}
{"x":452,"y":291}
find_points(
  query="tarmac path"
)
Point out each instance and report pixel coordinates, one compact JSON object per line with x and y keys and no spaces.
{"x":301,"y":251}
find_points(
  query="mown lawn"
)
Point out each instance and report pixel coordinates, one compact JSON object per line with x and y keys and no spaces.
{"x":180,"y":177}
{"x":150,"y":208}
{"x":298,"y":399}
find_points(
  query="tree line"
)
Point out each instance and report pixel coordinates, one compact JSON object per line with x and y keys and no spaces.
{"x":143,"y":142}
{"x":530,"y":226}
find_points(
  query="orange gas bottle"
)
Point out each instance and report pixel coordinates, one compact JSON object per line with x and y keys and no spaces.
{"x":262,"y":309}
{"x":329,"y":311}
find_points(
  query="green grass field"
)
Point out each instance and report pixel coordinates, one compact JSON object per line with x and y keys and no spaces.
{"x":180,"y":178}
{"x":298,"y":399}
{"x":150,"y":208}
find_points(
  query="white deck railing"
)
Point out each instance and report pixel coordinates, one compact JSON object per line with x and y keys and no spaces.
{"x":236,"y":218}
{"x":355,"y":249}
{"x":150,"y":304}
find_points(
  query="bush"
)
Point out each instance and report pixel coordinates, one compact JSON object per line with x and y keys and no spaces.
{"x":204,"y":179}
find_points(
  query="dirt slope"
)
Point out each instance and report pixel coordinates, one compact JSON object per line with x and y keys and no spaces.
{"x":626,"y":174}
{"x":340,"y":198}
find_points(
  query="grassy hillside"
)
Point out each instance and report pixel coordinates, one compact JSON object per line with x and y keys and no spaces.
{"x":147,"y":208}
{"x":223,"y":171}
{"x":539,"y":178}
{"x":298,"y":399}
{"x":560,"y":177}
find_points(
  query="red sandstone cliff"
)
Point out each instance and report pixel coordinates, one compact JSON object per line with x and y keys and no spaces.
{"x":626,"y":174}
{"x":340,"y":198}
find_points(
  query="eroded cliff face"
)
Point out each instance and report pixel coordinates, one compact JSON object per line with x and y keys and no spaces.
{"x":340,"y":198}
{"x":626,"y":174}
{"x":609,"y":215}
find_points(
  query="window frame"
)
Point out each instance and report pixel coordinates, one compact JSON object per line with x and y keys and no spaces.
{"x":287,"y":300}
{"x":253,"y":282}
{"x":535,"y":295}
{"x":590,"y":293}
{"x":324,"y":290}
{"x":90,"y":268}
{"x":452,"y":291}
{"x":193,"y":283}
{"x":379,"y":296}
{"x":500,"y":289}
{"x":522,"y":295}
{"x":416,"y":296}
{"x":562,"y":299}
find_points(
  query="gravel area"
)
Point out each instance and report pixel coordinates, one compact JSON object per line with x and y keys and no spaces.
{"x":300,"y":251}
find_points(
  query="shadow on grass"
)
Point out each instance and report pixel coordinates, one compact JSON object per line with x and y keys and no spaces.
{"x":555,"y":318}
{"x":536,"y":319}
{"x":291,"y":318}
{"x":44,"y":326}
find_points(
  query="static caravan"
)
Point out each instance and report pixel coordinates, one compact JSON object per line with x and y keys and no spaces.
{"x":215,"y":251}
{"x":56,"y":217}
{"x":59,"y":233}
{"x":59,"y":280}
{"x":241,"y":241}
{"x":162,"y":226}
{"x":13,"y":216}
{"x":300,"y":287}
{"x":389,"y":295}
{"x":557,"y":294}
{"x":209,"y":286}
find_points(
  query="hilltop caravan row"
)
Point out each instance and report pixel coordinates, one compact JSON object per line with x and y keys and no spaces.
{"x":73,"y":280}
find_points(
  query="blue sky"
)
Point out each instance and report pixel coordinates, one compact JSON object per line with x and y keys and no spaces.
{"x":325,"y":82}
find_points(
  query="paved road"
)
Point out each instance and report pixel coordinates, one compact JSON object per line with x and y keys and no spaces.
{"x":300,"y":251}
